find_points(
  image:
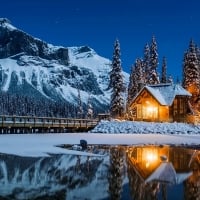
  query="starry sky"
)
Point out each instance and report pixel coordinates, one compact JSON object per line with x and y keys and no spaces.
{"x":97,"y":23}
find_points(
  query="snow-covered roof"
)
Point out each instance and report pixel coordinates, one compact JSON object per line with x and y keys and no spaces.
{"x":165,"y":93}
{"x":166,"y":173}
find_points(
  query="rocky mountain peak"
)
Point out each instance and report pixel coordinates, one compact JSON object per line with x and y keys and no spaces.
{"x":33,"y":68}
{"x":4,"y":21}
{"x":14,"y":41}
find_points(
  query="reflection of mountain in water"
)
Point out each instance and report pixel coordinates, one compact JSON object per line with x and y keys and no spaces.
{"x":56,"y":177}
{"x":152,"y":170}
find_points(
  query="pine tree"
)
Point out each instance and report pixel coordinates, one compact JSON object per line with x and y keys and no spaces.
{"x":164,"y":71}
{"x":80,"y":107}
{"x":153,"y":63}
{"x":116,"y":83}
{"x":136,"y":79}
{"x":136,"y":82}
{"x":89,"y":108}
{"x":197,"y":49}
{"x":139,"y":73}
{"x":132,"y":86}
{"x":191,"y":73}
{"x":146,"y":61}
{"x":115,"y":176}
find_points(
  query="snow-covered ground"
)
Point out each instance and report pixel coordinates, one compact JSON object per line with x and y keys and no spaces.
{"x":42,"y":144}
{"x":145,"y":127}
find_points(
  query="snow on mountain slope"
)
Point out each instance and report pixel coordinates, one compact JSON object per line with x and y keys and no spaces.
{"x":54,"y":177}
{"x":45,"y":76}
{"x":54,"y":72}
{"x":4,"y":22}
{"x":86,"y":57}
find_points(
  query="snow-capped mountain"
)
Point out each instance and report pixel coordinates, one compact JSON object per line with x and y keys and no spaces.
{"x":31,"y":66}
{"x":54,"y":177}
{"x":60,"y":176}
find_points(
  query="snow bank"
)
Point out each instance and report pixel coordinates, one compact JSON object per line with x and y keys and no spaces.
{"x":145,"y":127}
{"x":36,"y":145}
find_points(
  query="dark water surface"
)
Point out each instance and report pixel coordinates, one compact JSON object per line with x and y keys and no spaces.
{"x":113,"y":172}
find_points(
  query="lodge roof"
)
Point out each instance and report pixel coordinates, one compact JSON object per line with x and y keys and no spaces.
{"x":165,"y":93}
{"x":166,"y":173}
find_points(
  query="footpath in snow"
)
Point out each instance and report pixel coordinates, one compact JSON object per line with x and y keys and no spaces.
{"x":145,"y":128}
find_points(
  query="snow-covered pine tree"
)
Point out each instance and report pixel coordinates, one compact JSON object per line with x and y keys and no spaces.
{"x":80,"y":107}
{"x":116,"y":83}
{"x":139,"y":71}
{"x":191,"y":73}
{"x":198,"y":56}
{"x":132,"y":86}
{"x":136,"y":79}
{"x":136,"y":82}
{"x":89,"y":108}
{"x":197,"y":52}
{"x":164,"y":71}
{"x":153,"y":63}
{"x":198,"y":98}
{"x":132,"y":90}
{"x":115,"y":176}
{"x":146,"y":61}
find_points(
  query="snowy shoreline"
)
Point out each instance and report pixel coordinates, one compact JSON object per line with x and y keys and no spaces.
{"x":106,"y":132}
{"x":130,"y":127}
{"x":36,"y":145}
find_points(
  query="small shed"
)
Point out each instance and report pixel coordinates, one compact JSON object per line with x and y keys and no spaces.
{"x":161,"y":103}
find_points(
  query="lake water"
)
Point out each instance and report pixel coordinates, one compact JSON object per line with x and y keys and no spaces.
{"x":113,"y":172}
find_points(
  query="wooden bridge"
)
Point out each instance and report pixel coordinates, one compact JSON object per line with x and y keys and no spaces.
{"x":31,"y":124}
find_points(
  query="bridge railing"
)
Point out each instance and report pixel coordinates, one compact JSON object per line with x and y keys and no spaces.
{"x":49,"y":122}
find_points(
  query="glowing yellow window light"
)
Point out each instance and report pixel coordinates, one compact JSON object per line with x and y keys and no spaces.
{"x":150,"y":157}
{"x":150,"y":111}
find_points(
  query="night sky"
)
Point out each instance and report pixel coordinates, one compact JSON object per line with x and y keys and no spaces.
{"x":97,"y":23}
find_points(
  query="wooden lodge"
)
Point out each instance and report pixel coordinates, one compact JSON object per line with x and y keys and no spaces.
{"x":161,"y":103}
{"x":162,"y":163}
{"x":153,"y":169}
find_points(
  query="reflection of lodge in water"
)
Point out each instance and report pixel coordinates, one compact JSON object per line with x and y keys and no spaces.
{"x":152,"y":168}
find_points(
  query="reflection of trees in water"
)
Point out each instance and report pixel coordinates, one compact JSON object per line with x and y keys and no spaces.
{"x":141,"y":190}
{"x":164,"y":191}
{"x":192,"y":184}
{"x":78,"y":165}
{"x":115,"y":173}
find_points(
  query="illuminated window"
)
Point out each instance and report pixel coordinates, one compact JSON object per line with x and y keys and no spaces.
{"x":150,"y":156}
{"x":150,"y":111}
